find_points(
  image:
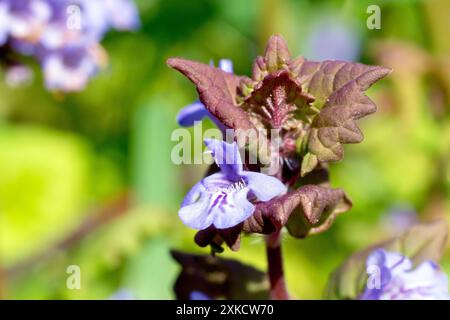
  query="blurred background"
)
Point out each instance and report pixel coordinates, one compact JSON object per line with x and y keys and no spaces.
{"x":86,"y":178}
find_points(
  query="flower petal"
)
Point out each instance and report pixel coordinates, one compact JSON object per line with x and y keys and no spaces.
{"x":226,"y":65}
{"x":194,"y":209}
{"x":377,"y":259}
{"x":264,"y":187}
{"x":426,"y":281}
{"x":399,"y":281}
{"x":397,"y":263}
{"x":123,"y":14}
{"x":198,"y":295}
{"x":227,"y":157}
{"x":230,"y":209}
{"x":194,"y":112}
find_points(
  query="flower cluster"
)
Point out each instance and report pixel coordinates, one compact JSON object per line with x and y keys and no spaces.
{"x":396,"y":279}
{"x":63,"y":35}
{"x":293,"y":113}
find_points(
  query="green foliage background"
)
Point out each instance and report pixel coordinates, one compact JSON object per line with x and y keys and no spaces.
{"x":65,"y":157}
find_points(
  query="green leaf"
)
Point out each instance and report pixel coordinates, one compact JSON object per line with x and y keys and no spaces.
{"x":309,"y":162}
{"x":421,"y":242}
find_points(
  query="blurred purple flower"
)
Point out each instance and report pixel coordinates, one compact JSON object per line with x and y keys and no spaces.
{"x":396,"y":279}
{"x":222,"y":199}
{"x":62,"y":29}
{"x":123,"y":14}
{"x":48,"y":30}
{"x":399,"y":219}
{"x":27,"y":18}
{"x":100,"y":15}
{"x":69,"y":68}
{"x":122,"y":294}
{"x":333,"y":41}
{"x":196,"y":111}
{"x":18,"y":75}
{"x":4,"y":22}
{"x":197,"y":295}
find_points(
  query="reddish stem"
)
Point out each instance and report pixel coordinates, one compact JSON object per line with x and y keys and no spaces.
{"x":278,"y":290}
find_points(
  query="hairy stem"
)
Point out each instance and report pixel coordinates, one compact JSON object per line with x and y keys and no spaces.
{"x":278,"y":289}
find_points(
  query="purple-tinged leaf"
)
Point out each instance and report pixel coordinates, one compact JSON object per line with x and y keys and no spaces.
{"x":317,"y":209}
{"x":274,"y":97}
{"x":309,"y":210}
{"x":277,"y":53}
{"x":276,"y":57}
{"x":217,"y":90}
{"x":321,"y":79}
{"x":341,"y":88}
{"x":277,"y":99}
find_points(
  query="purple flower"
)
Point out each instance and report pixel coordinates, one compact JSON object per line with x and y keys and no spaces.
{"x":123,"y":14}
{"x":100,"y":15}
{"x":393,"y":277}
{"x":69,"y":69}
{"x":399,"y":219}
{"x":65,"y":25}
{"x":198,"y":295}
{"x":122,"y":294}
{"x":55,"y":31}
{"x":18,"y":75}
{"x":224,"y":199}
{"x":333,"y":41}
{"x":27,"y":18}
{"x":4,"y":22}
{"x":196,"y":111}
